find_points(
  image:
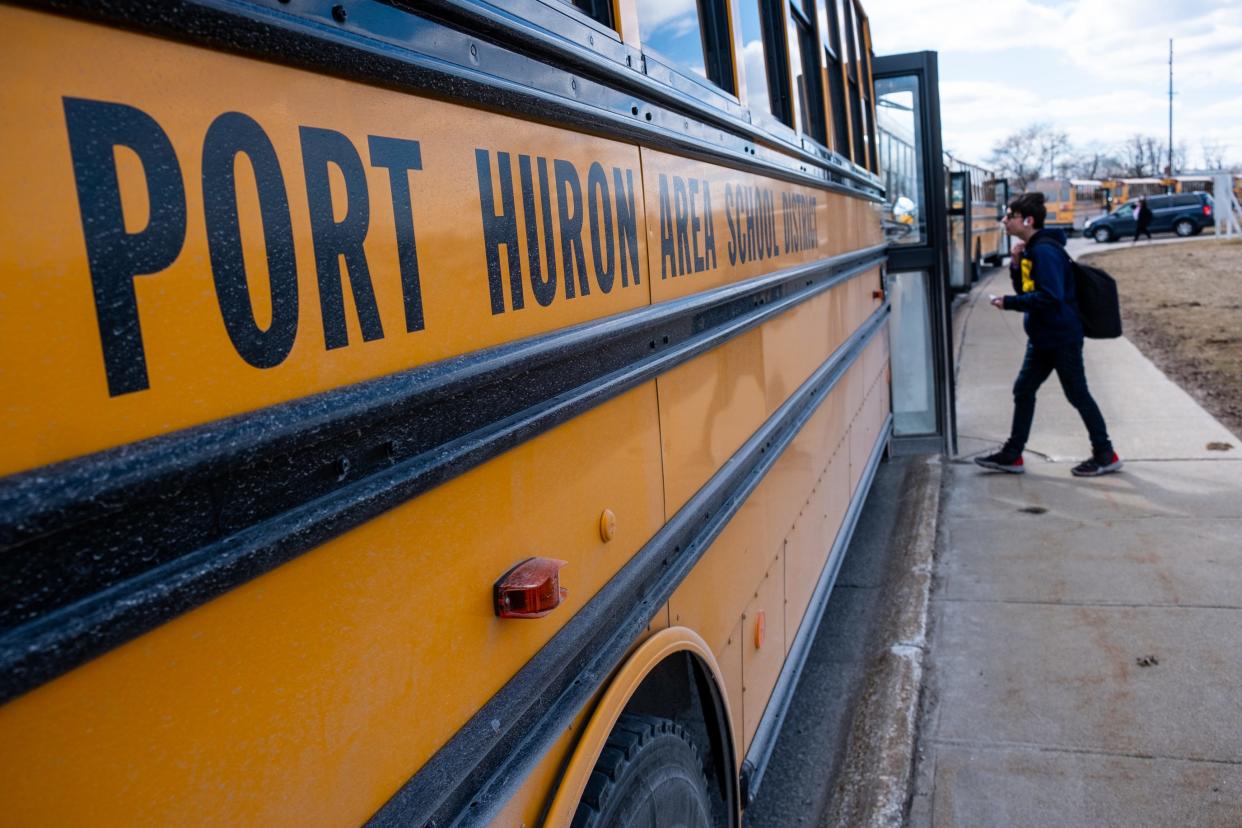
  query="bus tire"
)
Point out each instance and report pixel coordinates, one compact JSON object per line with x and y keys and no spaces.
{"x":648,"y":774}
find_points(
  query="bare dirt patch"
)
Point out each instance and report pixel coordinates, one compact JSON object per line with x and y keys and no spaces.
{"x":1181,"y":304}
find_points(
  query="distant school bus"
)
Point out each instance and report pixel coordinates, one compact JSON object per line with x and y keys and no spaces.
{"x":1188,"y":184}
{"x":1072,"y":202}
{"x":1121,"y":190}
{"x":426,"y":413}
{"x":979,"y":238}
{"x":1200,"y":184}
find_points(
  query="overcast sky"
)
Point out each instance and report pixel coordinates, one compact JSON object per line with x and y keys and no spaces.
{"x":1097,"y":69}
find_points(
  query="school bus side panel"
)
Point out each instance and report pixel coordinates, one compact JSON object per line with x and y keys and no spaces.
{"x":94,"y":384}
{"x":309,"y":694}
{"x":305,"y":695}
{"x":708,"y":227}
{"x":769,"y":567}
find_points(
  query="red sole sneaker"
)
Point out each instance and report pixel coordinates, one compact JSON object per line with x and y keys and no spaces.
{"x":1090,"y":469}
{"x":1009,"y":468}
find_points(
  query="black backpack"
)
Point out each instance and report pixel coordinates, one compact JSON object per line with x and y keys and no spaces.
{"x":1098,"y":305}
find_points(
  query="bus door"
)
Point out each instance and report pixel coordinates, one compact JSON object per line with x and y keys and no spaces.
{"x":908,"y":103}
{"x":961,"y":230}
{"x":1001,"y":197}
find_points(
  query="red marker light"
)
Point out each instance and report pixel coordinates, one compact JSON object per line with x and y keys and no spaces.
{"x":532,"y":589}
{"x":1207,"y":209}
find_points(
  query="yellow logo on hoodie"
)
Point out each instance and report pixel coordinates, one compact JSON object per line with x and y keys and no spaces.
{"x":1028,"y":283}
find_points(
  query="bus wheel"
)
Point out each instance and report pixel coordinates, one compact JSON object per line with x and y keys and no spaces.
{"x":649,"y":774}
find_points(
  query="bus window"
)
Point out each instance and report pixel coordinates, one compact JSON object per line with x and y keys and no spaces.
{"x":830,"y":31}
{"x":763,"y":60}
{"x":805,"y":66}
{"x":598,"y":10}
{"x":868,"y":107}
{"x":900,"y":137}
{"x":688,"y":35}
{"x":849,"y":31}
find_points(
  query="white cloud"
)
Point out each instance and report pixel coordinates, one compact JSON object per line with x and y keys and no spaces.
{"x":1094,"y":68}
{"x":655,"y":13}
{"x":954,"y":25}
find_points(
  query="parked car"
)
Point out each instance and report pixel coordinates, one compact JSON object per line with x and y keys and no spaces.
{"x":1185,"y":214}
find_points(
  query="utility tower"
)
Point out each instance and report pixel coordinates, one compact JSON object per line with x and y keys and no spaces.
{"x":1170,"y":106}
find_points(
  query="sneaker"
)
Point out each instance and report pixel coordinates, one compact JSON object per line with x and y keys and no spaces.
{"x":1100,"y":464}
{"x":1002,"y":462}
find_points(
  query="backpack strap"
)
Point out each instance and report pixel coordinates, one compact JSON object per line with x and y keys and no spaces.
{"x":1046,"y":240}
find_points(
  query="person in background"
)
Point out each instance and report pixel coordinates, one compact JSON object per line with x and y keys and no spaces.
{"x":1142,"y":219}
{"x":1045,"y":293}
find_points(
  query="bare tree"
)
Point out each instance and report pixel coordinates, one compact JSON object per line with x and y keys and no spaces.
{"x":1094,"y":161}
{"x":1041,"y":149}
{"x":1142,"y":156}
{"x":1020,"y":156}
{"x":1054,"y":152}
{"x":1133,"y":158}
{"x":1213,"y":155}
{"x":1181,"y":158}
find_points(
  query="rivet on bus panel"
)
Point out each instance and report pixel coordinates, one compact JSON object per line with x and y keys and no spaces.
{"x":531,"y":589}
{"x":607,"y":525}
{"x":761,"y":628}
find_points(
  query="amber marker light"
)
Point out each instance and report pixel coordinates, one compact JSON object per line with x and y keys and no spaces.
{"x":607,"y":525}
{"x":531,"y":589}
{"x":761,"y":628}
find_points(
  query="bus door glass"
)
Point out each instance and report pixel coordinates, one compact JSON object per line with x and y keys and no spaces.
{"x":915,"y":222}
{"x":900,"y":141}
{"x":959,"y":229}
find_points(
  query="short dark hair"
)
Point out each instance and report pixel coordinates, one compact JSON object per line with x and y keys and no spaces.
{"x":1030,"y":205}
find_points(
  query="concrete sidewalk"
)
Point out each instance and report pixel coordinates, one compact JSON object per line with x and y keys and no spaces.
{"x":1085,"y":660}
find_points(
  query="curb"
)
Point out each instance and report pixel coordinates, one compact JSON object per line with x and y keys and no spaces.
{"x":878,"y":770}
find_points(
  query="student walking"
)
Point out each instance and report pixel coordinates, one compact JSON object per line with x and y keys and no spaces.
{"x":1044,"y":292}
{"x":1142,"y":219}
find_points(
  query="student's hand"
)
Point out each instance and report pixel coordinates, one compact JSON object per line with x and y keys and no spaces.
{"x":997,"y":301}
{"x":1018,"y":247}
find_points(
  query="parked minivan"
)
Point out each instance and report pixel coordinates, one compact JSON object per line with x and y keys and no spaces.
{"x":1185,"y":214}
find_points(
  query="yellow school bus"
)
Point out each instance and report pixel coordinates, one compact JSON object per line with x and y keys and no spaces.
{"x":975,"y":235}
{"x":426,"y":413}
{"x":1188,"y":184}
{"x":1072,"y":202}
{"x":1121,"y":190}
{"x":1200,"y":184}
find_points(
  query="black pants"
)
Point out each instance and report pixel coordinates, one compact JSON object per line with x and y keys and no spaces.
{"x":1038,"y":364}
{"x":1141,"y":228}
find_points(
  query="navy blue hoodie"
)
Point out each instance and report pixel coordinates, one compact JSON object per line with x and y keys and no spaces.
{"x":1046,"y":294}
